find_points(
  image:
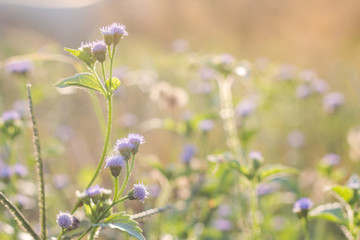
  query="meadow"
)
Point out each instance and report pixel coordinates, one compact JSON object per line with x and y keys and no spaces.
{"x":114,"y":136}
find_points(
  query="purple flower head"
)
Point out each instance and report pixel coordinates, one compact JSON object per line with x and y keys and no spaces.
{"x":118,"y":31}
{"x":188,"y":153}
{"x":99,"y":50}
{"x":124,"y":147}
{"x":302,"y":205}
{"x":107,"y":34}
{"x":10,"y":116}
{"x":245,"y":108}
{"x":115,"y":163}
{"x":206,"y":125}
{"x":354,"y":182}
{"x":264,"y":189}
{"x":303,"y":91}
{"x":6,"y":172}
{"x":226,"y":59}
{"x":19,"y":67}
{"x":64,"y":220}
{"x":94,"y":190}
{"x":60,"y":181}
{"x":296,"y":139}
{"x":87,"y":47}
{"x":135,"y":139}
{"x":20,"y":170}
{"x":223,"y":224}
{"x":332,"y":101}
{"x":319,"y":85}
{"x":139,"y":192}
{"x":331,"y":159}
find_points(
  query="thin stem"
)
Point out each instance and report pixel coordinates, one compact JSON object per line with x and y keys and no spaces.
{"x":39,"y":168}
{"x":253,"y":211}
{"x":18,"y":216}
{"x":228,"y":116}
{"x":116,"y":188}
{"x":93,"y":233}
{"x":102,"y":215}
{"x":305,"y":227}
{"x":111,"y":65}
{"x":128,"y":172}
{"x":97,"y":77}
{"x":103,"y":72}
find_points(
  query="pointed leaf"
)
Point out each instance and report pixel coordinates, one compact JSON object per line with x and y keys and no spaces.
{"x":344,"y":192}
{"x":115,"y":83}
{"x":82,"y":55}
{"x":331,"y":212}
{"x":123,"y":223}
{"x":86,"y":80}
{"x":274,"y":171}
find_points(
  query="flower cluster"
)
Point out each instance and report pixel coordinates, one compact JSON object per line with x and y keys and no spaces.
{"x":67,"y":221}
{"x":113,"y":33}
{"x":94,"y":194}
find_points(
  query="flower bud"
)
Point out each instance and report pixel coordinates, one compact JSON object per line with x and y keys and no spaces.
{"x":302,"y":207}
{"x":64,"y":220}
{"x":99,"y":51}
{"x":139,"y":192}
{"x":135,"y":139}
{"x":115,"y":163}
{"x":124,"y":147}
{"x":107,"y":34}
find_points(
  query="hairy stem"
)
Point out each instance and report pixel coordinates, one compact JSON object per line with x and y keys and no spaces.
{"x":39,"y":168}
{"x":18,"y":216}
{"x":128,"y":173}
{"x":228,"y":116}
{"x":116,"y":188}
{"x":253,"y":209}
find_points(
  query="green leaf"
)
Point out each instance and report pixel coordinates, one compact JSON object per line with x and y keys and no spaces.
{"x":330,"y":212}
{"x":344,"y":192}
{"x":86,"y":80}
{"x":115,"y":83}
{"x":274,"y":171}
{"x":123,"y":223}
{"x":82,"y":55}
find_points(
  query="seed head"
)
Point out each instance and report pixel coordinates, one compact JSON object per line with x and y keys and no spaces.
{"x":64,"y":220}
{"x":115,"y":163}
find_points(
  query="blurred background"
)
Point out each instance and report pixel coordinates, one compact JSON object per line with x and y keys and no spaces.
{"x":322,"y":36}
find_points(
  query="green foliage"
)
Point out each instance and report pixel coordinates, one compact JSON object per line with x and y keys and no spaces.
{"x":273,"y":171}
{"x":82,"y":80}
{"x":123,"y":223}
{"x":115,"y":83}
{"x":343,"y":192}
{"x":332,"y":212}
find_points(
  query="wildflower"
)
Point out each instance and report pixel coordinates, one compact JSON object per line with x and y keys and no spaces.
{"x":94,"y":193}
{"x":99,"y":51}
{"x":223,"y":224}
{"x":188,"y":153}
{"x":5,"y":173}
{"x":354,"y":182}
{"x":60,"y":181}
{"x":135,"y":139}
{"x":319,"y":85}
{"x":107,"y":34}
{"x":20,"y":170}
{"x":20,"y":67}
{"x":75,"y":223}
{"x":124,"y":147}
{"x":332,"y":101}
{"x":86,"y":53}
{"x":114,"y":33}
{"x":245,"y":108}
{"x":64,"y":220}
{"x":10,"y":116}
{"x":331,"y":159}
{"x":139,"y":192}
{"x":256,"y":158}
{"x":302,"y":207}
{"x":115,"y":163}
{"x":206,"y":125}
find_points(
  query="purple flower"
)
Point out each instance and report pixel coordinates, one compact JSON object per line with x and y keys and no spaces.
{"x":286,"y":72}
{"x":226,"y":59}
{"x":206,"y":125}
{"x":331,"y":159}
{"x":135,"y":139}
{"x":308,"y":75}
{"x":20,"y":170}
{"x":124,"y":147}
{"x":245,"y":108}
{"x":223,"y":224}
{"x":264,"y":189}
{"x":113,"y":33}
{"x":115,"y":163}
{"x":64,"y":220}
{"x":303,"y":205}
{"x":319,"y":85}
{"x":10,"y":116}
{"x":303,"y":91}
{"x":332,"y":101}
{"x":139,"y":192}
{"x":19,"y":66}
{"x":60,"y":181}
{"x":94,"y":190}
{"x":188,"y":153}
{"x":99,"y":50}
{"x":6,"y":172}
{"x":296,"y":139}
{"x":354,"y":182}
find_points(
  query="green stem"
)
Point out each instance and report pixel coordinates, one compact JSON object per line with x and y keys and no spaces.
{"x":116,"y":188}
{"x":253,"y":211}
{"x":39,"y":168}
{"x":18,"y":216}
{"x":103,"y":72}
{"x":128,"y":172}
{"x":305,"y":227}
{"x":93,"y":232}
{"x":102,"y":215}
{"x":111,"y":64}
{"x":97,"y":77}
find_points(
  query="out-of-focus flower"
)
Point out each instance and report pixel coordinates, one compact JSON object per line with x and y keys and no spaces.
{"x":20,"y":170}
{"x":206,"y":125}
{"x":154,"y":190}
{"x":319,"y":85}
{"x":6,"y":172}
{"x":223,"y":224}
{"x":64,"y":220}
{"x":128,"y":120}
{"x":332,"y":101}
{"x":188,"y":153}
{"x":180,"y":45}
{"x":10,"y":116}
{"x":168,"y":96}
{"x":115,"y":163}
{"x":331,"y":159}
{"x":264,"y":189}
{"x":245,"y":108}
{"x":20,"y":67}
{"x":303,"y":91}
{"x":60,"y":181}
{"x":302,"y":206}
{"x":244,"y":69}
{"x":296,"y":139}
{"x":139,"y":192}
{"x":354,"y":182}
